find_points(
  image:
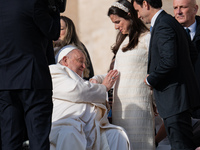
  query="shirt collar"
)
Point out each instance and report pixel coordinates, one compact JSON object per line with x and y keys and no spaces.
{"x":192,"y":27}
{"x":155,"y":17}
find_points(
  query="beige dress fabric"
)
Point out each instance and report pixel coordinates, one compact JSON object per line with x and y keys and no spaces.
{"x":132,"y":105}
{"x":79,"y":119}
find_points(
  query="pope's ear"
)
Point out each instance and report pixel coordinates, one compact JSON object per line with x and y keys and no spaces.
{"x":64,"y":61}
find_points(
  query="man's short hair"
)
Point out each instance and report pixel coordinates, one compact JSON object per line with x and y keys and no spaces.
{"x":153,"y":3}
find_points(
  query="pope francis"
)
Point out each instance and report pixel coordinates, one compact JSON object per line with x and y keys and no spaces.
{"x":79,"y":119}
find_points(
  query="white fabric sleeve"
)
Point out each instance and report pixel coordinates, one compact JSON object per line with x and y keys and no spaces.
{"x":99,"y":78}
{"x":70,"y":87}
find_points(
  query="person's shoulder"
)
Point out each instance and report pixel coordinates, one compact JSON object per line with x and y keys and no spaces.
{"x":146,"y":35}
{"x":164,"y":18}
{"x":197,"y":19}
{"x":167,"y":18}
{"x":55,"y":68}
{"x":167,"y":21}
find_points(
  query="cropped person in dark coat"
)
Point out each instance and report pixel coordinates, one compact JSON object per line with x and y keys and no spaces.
{"x":26,"y":26}
{"x":185,"y":13}
{"x":170,"y":73}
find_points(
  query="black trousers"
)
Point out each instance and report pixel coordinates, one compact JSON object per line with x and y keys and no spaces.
{"x":180,"y":132}
{"x":0,"y":134}
{"x":25,"y":108}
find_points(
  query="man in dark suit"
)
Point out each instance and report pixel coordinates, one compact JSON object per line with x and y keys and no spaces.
{"x":185,"y":13}
{"x":26,"y":26}
{"x":170,"y":73}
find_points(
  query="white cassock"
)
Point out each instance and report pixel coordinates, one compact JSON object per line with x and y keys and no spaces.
{"x":79,"y":119}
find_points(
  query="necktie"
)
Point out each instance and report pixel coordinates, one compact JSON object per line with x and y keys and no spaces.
{"x":188,"y":32}
{"x":151,"y":28}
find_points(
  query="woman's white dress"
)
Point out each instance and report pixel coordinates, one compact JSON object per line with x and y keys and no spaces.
{"x":132,"y":105}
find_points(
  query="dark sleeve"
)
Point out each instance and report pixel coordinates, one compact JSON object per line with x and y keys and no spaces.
{"x":48,"y":23}
{"x":164,"y":42}
{"x":193,"y":52}
{"x":50,"y":53}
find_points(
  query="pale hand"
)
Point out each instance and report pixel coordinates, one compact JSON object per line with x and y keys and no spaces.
{"x":93,"y":81}
{"x":110,"y":79}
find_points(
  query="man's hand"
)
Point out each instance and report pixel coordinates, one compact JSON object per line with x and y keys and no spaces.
{"x":145,"y":81}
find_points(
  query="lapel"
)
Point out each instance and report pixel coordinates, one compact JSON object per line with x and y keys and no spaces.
{"x":152,"y":36}
{"x":157,"y":21}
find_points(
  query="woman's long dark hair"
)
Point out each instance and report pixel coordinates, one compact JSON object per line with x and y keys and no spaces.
{"x":137,"y":27}
{"x":71,"y":38}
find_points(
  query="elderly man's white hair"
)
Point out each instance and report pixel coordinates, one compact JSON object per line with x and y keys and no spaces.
{"x":63,"y":52}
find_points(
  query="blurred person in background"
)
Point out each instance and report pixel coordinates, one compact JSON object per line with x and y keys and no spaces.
{"x":68,"y":36}
{"x":185,"y":13}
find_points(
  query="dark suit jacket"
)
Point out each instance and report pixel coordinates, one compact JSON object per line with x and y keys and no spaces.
{"x":196,"y":42}
{"x":50,"y":53}
{"x":170,"y":69}
{"x":26,"y":26}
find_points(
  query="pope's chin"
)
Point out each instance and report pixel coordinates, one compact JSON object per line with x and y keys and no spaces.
{"x":80,"y":73}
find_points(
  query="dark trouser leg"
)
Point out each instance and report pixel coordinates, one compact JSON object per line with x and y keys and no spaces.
{"x":38,"y":112}
{"x":0,"y":133}
{"x":179,"y":131}
{"x":33,"y":106}
{"x":12,"y":123}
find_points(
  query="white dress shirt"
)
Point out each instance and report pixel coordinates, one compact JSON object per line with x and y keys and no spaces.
{"x":192,"y":29}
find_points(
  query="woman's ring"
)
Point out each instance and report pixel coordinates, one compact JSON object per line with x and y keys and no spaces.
{"x":113,"y":78}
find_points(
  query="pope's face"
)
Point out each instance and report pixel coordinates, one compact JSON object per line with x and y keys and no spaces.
{"x":121,"y":24}
{"x":76,"y":61}
{"x":185,"y":11}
